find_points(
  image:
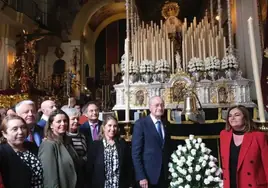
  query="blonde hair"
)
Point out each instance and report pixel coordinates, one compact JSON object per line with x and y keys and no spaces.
{"x":108,"y":118}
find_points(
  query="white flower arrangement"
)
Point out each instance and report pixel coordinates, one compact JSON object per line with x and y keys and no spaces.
{"x":212,"y":63}
{"x":193,"y":166}
{"x":196,"y":65}
{"x":229,"y":62}
{"x":146,"y":66}
{"x":162,"y":66}
{"x":133,"y":68}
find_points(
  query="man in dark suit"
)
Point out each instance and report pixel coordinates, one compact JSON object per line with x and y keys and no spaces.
{"x":149,"y":147}
{"x":91,"y":128}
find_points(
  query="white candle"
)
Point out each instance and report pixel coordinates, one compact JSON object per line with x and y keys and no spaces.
{"x":204,"y":49}
{"x":224,"y":46}
{"x":209,"y":46}
{"x":157,"y":52}
{"x":186,"y":52}
{"x":172,"y":57}
{"x":255,"y":70}
{"x":192,"y":46}
{"x":199,"y":48}
{"x":145,"y":49}
{"x":163,"y":49}
{"x":183,"y":54}
{"x":217,"y":48}
{"x":212,"y":46}
{"x":168,"y":51}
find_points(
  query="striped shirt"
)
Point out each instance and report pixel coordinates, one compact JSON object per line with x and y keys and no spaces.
{"x":79,"y":144}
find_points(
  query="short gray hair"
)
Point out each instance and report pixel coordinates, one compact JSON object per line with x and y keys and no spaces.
{"x":29,"y":102}
{"x":70,"y":111}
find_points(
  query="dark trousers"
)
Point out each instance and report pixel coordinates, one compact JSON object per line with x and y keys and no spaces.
{"x":162,"y":181}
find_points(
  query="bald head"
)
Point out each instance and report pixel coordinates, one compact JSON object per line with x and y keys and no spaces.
{"x":156,"y":106}
{"x":47,"y":107}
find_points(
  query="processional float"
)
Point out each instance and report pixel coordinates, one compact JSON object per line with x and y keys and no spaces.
{"x":177,"y":59}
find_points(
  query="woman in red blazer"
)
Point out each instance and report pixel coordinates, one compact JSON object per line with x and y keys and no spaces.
{"x":244,"y":151}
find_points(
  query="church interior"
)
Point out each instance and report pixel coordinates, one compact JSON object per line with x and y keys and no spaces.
{"x":200,"y":56}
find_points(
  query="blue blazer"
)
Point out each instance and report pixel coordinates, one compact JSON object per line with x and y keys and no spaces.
{"x":149,"y":153}
{"x":85,"y":129}
{"x":42,"y":123}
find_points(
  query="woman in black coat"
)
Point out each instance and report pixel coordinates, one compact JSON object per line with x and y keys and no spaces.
{"x":19,"y":165}
{"x":109,"y":160}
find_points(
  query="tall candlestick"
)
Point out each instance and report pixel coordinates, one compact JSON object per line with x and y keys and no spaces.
{"x":217,"y":48}
{"x":172,"y":57}
{"x":204,"y":49}
{"x":224,"y":46}
{"x":186,"y":52}
{"x":192,"y":46}
{"x":199,"y":48}
{"x":255,"y":70}
{"x":183,"y":55}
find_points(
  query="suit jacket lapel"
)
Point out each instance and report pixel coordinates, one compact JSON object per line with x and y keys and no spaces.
{"x":226,"y":147}
{"x":153,"y":130}
{"x":247,"y":140}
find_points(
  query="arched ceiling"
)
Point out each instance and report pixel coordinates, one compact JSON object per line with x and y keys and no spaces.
{"x":104,"y":13}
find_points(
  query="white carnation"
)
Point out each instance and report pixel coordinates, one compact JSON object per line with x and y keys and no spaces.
{"x":189,"y":146}
{"x":203,"y":150}
{"x":197,"y":146}
{"x":206,"y":181}
{"x":187,"y":186}
{"x":184,"y":149}
{"x":199,"y":140}
{"x":188,"y":178}
{"x":187,"y":141}
{"x":178,"y":152}
{"x":207,"y":172}
{"x":201,"y":159}
{"x":194,"y":141}
{"x":206,"y":157}
{"x":217,"y":179}
{"x":173,"y":156}
{"x":213,"y":169}
{"x":180,"y":180}
{"x":210,"y":178}
{"x":174,"y":175}
{"x":190,"y":158}
{"x":171,"y":170}
{"x":193,"y":152}
{"x":191,"y":137}
{"x":197,"y":168}
{"x":198,"y":177}
{"x":204,"y":163}
{"x":190,"y":169}
{"x":180,"y":163}
{"x":179,"y":147}
{"x":189,"y":163}
{"x":202,"y":145}
{"x":183,"y":159}
{"x":211,"y":164}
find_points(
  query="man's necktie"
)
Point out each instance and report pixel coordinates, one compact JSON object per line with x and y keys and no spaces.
{"x":159,"y":129}
{"x":95,"y":131}
{"x":31,"y":139}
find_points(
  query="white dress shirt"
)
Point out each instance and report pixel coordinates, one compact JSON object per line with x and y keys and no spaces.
{"x":155,"y":124}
